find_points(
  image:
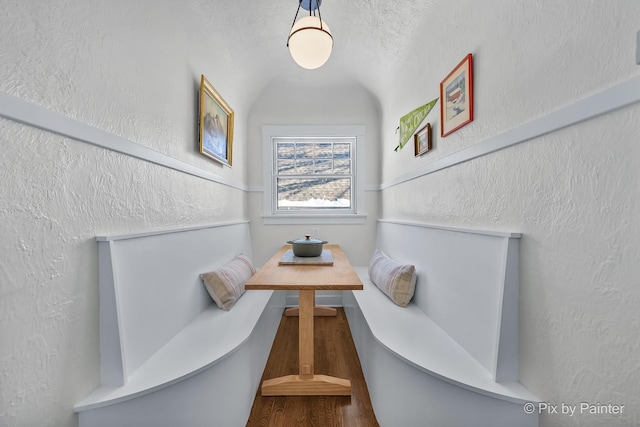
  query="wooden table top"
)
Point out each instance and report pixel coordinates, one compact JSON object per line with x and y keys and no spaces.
{"x":339,"y":276}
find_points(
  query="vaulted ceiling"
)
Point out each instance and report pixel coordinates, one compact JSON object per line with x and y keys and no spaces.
{"x":370,"y":40}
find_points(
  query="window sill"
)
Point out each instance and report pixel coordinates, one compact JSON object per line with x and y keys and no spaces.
{"x":314,"y":219}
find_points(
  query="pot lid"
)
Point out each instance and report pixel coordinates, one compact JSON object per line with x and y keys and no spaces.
{"x":307,"y":241}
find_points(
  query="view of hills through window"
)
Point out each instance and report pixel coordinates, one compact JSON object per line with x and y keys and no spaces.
{"x":314,"y":173}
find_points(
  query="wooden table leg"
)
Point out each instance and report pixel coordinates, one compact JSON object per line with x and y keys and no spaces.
{"x":305,"y":334}
{"x":306,"y":383}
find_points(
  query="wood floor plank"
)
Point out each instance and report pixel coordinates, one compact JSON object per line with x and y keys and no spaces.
{"x":335,"y":355}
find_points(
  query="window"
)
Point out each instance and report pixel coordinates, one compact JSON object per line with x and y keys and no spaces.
{"x":312,"y":174}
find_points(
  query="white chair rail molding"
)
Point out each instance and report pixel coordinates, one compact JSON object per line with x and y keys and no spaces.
{"x":450,"y":357}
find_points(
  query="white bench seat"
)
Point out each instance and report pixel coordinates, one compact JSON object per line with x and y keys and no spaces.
{"x":450,"y":358}
{"x":168,"y":355}
{"x":212,"y":336}
{"x":412,"y":336}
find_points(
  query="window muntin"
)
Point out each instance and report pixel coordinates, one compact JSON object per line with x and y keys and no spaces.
{"x":314,"y":175}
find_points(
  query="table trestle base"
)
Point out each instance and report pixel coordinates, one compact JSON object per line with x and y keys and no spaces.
{"x":318,"y":311}
{"x":318,"y":385}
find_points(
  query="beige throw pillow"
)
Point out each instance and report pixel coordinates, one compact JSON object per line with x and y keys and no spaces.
{"x":396,"y":280}
{"x":226,"y":284}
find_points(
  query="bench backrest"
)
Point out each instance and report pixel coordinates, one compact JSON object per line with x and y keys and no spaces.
{"x":150,"y":288}
{"x":467,"y":283}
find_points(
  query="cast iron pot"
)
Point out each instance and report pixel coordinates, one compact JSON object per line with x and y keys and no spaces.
{"x":307,"y":247}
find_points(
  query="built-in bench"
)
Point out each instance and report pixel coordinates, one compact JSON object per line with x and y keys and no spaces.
{"x":169,"y":356}
{"x":451,"y":357}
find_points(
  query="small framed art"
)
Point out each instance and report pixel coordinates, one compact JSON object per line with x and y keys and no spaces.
{"x":456,"y":97}
{"x":422,"y":140}
{"x":216,"y":124}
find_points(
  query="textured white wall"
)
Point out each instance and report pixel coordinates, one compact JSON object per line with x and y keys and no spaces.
{"x":132,"y":69}
{"x":129,"y":68}
{"x":573,"y":193}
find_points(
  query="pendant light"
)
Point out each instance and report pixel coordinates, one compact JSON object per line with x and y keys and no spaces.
{"x":310,"y":41}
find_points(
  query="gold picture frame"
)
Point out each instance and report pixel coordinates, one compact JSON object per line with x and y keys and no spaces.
{"x":216,"y":124}
{"x":422,"y":140}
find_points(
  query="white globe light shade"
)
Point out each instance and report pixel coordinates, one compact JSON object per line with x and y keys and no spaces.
{"x":309,"y":46}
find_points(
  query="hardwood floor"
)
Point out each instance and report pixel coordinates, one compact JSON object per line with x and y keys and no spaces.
{"x":335,"y":355}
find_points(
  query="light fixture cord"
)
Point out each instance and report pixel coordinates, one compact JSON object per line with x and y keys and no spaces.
{"x":314,"y":14}
{"x":294,"y":20}
{"x":319,"y":15}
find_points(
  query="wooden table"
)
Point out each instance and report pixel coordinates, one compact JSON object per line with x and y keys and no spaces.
{"x":306,"y":279}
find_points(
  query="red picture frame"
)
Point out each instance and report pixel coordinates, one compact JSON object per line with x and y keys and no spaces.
{"x":456,"y":97}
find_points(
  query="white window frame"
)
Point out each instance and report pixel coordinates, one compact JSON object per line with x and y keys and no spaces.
{"x":272,"y":216}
